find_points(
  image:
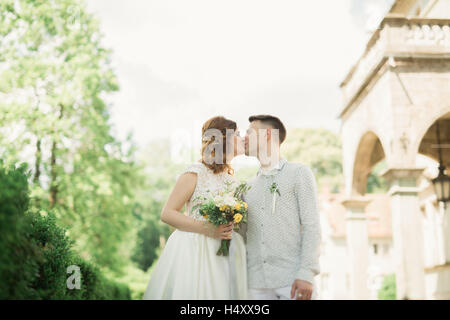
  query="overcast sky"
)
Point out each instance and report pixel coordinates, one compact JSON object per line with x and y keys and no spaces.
{"x":180,"y":62}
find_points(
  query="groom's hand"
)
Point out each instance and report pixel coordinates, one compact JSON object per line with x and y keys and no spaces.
{"x":303,"y":288}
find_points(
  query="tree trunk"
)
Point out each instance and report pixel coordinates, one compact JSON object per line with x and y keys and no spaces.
{"x":37,"y":171}
{"x":53,"y":174}
{"x":53,"y":185}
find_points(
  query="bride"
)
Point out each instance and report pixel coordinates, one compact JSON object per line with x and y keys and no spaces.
{"x":188,"y":267}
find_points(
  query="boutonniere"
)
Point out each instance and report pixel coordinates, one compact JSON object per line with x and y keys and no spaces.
{"x":274,"y":190}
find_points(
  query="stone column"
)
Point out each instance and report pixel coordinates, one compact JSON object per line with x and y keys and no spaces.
{"x":446,"y":233}
{"x":357,"y":246}
{"x":407,"y":232}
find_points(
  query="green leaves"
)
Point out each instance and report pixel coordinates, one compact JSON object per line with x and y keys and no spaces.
{"x":36,"y":251}
{"x":318,"y":148}
{"x":54,"y":75}
{"x":241,"y":190}
{"x":274,"y":188}
{"x":388,"y":288}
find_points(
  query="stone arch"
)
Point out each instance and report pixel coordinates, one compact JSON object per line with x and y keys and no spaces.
{"x":426,"y":143}
{"x":368,"y":153}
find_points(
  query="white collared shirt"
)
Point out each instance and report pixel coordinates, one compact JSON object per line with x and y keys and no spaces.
{"x":282,"y":245}
{"x":267,"y":171}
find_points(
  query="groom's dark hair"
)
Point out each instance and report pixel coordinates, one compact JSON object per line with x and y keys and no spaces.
{"x":273,"y":121}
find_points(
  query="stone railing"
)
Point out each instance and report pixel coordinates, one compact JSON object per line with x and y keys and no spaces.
{"x":397,"y":37}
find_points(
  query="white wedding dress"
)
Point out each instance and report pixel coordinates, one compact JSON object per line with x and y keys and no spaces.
{"x":189,"y":268}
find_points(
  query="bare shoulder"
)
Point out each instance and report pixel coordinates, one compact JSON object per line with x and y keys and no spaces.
{"x":196,"y":167}
{"x":189,"y":176}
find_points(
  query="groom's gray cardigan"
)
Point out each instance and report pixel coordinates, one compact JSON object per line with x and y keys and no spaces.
{"x":283,"y":245}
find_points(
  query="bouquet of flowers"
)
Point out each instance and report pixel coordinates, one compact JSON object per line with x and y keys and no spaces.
{"x":224,"y":207}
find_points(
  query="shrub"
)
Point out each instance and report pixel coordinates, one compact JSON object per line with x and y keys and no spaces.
{"x":57,"y":255}
{"x":36,"y":252}
{"x":145,"y":251}
{"x":19,"y":256}
{"x":387,"y":290}
{"x":94,"y":286}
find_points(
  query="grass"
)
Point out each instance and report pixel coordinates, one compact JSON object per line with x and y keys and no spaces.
{"x":136,"y":279}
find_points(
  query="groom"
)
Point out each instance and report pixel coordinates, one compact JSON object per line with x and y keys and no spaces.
{"x":283,"y":231}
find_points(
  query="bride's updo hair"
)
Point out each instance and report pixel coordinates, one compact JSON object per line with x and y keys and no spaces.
{"x":222,"y":124}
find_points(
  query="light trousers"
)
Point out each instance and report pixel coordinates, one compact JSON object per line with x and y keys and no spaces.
{"x":283,"y":293}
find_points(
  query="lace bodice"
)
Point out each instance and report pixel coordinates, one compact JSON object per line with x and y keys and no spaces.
{"x":208,"y":183}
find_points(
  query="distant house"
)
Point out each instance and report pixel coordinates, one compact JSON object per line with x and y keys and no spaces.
{"x":334,"y":279}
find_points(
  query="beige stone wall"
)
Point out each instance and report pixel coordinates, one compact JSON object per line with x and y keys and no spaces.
{"x":332,"y":281}
{"x":399,"y":108}
{"x":439,"y":9}
{"x":392,"y":96}
{"x":437,"y":284}
{"x":420,"y":94}
{"x":370,"y":114}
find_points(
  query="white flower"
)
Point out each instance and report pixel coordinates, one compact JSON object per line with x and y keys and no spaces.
{"x":229,"y":200}
{"x":219,"y":200}
{"x":222,"y":199}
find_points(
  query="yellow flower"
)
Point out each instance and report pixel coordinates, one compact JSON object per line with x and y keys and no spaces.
{"x":237,"y":206}
{"x":206,"y":216}
{"x":245,"y":205}
{"x":237,"y":217}
{"x":222,"y":208}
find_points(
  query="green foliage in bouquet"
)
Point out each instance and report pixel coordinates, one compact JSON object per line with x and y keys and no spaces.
{"x":224,"y":207}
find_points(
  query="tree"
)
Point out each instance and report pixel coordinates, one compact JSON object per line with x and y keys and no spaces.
{"x":162,"y":173}
{"x":375,"y":183}
{"x":55,"y":75}
{"x":318,"y":148}
{"x":321,"y":149}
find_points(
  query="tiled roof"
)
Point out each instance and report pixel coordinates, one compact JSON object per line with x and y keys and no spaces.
{"x":378,"y":213}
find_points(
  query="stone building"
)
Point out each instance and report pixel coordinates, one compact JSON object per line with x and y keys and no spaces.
{"x":334,"y":279}
{"x":393,"y":98}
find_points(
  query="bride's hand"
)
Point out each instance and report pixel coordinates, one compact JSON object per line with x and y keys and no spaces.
{"x":223,"y":231}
